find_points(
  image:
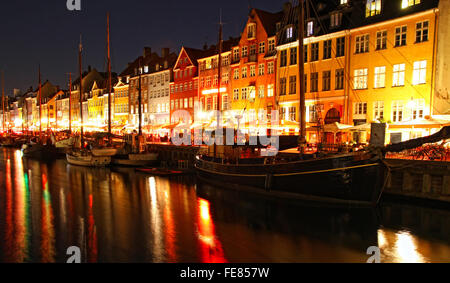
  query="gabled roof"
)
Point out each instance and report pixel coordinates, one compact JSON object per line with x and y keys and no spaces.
{"x":269,"y":20}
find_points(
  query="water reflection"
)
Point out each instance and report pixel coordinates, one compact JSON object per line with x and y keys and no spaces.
{"x":118,"y":215}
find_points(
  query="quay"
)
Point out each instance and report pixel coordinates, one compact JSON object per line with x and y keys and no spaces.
{"x":427,"y":180}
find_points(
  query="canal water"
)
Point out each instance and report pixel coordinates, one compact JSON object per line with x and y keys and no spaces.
{"x":118,"y":215}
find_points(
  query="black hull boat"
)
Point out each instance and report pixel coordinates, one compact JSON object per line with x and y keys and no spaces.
{"x":353,"y":179}
{"x":42,"y":152}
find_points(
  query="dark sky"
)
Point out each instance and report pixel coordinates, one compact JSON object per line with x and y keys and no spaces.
{"x":44,"y":32}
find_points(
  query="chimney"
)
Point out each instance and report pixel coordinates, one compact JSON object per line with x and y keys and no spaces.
{"x":165,"y":52}
{"x":287,"y":7}
{"x":89,"y":68}
{"x":147,"y":52}
{"x":166,"y":64}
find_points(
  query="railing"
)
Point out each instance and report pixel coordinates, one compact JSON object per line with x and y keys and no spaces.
{"x":432,"y":152}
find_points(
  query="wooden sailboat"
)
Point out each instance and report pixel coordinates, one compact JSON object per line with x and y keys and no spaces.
{"x":82,"y":156}
{"x":354,"y":178}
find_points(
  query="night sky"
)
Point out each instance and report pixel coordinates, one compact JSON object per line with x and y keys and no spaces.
{"x":46,"y":33}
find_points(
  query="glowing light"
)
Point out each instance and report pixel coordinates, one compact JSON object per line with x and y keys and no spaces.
{"x":406,"y":248}
{"x":214,"y":90}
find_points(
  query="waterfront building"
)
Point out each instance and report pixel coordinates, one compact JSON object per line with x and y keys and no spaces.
{"x":184,"y":88}
{"x":62,"y":110}
{"x":253,"y":66}
{"x":209,"y":83}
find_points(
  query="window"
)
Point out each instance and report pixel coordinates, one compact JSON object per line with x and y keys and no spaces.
{"x":409,"y":3}
{"x":360,"y":108}
{"x":244,"y":72}
{"x":236,"y":74}
{"x":420,"y":72}
{"x":261,"y":69}
{"x":381,"y":40}
{"x":236,"y":54}
{"x":289,"y":32}
{"x":314,"y":82}
{"x":216,"y":80}
{"x":251,"y":31}
{"x":226,"y":60}
{"x":270,"y":68}
{"x":310,"y":28}
{"x":378,"y":110}
{"x":398,"y":78}
{"x":397,"y":111}
{"x":269,"y":90}
{"x":373,"y":7}
{"x":417,"y":108}
{"x":292,"y":113}
{"x":326,"y":80}
{"x":262,"y":47}
{"x":362,"y":44}
{"x":400,"y":36}
{"x":236,"y":94}
{"x":343,"y":2}
{"x":360,"y":79}
{"x":244,"y":51}
{"x":261,"y":91}
{"x":271,"y":45}
{"x":252,"y":71}
{"x":292,"y":84}
{"x":293,"y":56}
{"x":335,"y":20}
{"x":314,"y":52}
{"x":327,"y":49}
{"x":282,"y":86}
{"x":253,"y":49}
{"x":244,"y":93}
{"x":380,"y":77}
{"x":283,"y":58}
{"x":208,"y":103}
{"x":339,"y":79}
{"x":225,"y":105}
{"x":422,"y":31}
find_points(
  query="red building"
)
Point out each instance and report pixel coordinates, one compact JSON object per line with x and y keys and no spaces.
{"x":184,"y":88}
{"x":253,"y":76}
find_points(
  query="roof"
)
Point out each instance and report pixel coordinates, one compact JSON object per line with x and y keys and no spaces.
{"x":269,"y":20}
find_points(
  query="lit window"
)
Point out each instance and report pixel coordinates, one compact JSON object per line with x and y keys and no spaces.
{"x":360,"y":108}
{"x":378,"y":110}
{"x":409,"y":3}
{"x":417,"y":108}
{"x":289,"y":32}
{"x":271,"y":45}
{"x":361,"y":78}
{"x":335,"y":20}
{"x":244,"y":72}
{"x":261,"y":69}
{"x":236,"y":54}
{"x":420,"y":72}
{"x":262,"y":47}
{"x":397,"y":111}
{"x":269,"y":90}
{"x":344,"y":2}
{"x":310,"y":28}
{"x":270,"y":68}
{"x":398,"y":75}
{"x":251,"y":31}
{"x":244,"y":51}
{"x":236,"y":74}
{"x":252,"y":70}
{"x":380,"y":77}
{"x":244,"y":93}
{"x":236,"y":94}
{"x":373,"y":7}
{"x":261,"y":91}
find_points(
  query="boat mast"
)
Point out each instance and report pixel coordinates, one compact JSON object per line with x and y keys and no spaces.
{"x":81,"y":91}
{"x":3,"y":102}
{"x":301,"y":71}
{"x":70,"y":103}
{"x":219,"y":71}
{"x":140,"y":99}
{"x":40,"y":104}
{"x":109,"y":80}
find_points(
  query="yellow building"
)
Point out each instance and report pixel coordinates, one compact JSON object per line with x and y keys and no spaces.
{"x":392,"y":69}
{"x":96,"y":107}
{"x":121,"y":107}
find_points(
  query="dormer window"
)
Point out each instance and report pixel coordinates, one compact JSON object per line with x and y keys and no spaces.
{"x":335,"y":19}
{"x":289,"y":32}
{"x":373,"y":8}
{"x":343,"y":2}
{"x":310,"y":28}
{"x":409,"y":3}
{"x":146,"y":69}
{"x":251,"y":31}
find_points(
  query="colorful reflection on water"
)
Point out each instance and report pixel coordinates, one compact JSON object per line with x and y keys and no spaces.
{"x":117,"y":215}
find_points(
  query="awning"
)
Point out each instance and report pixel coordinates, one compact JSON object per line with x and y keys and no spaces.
{"x":424,"y":123}
{"x":336,"y":127}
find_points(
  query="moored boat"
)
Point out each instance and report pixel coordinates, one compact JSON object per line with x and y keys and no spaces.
{"x":86,"y":158}
{"x":39,"y":151}
{"x":136,"y":159}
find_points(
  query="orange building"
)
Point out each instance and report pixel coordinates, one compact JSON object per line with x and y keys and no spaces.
{"x":253,"y":69}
